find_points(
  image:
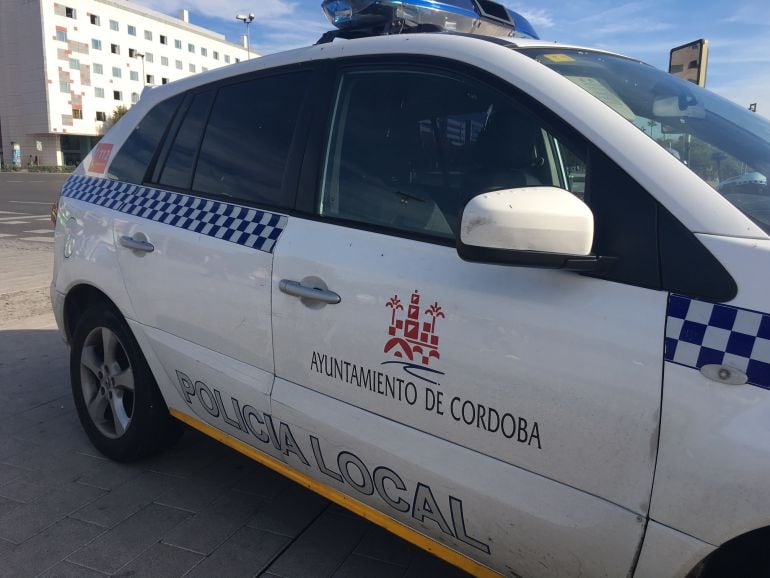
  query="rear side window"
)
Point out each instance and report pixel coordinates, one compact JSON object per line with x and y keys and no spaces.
{"x":177,"y":170}
{"x":132,"y":160}
{"x":246,"y":145}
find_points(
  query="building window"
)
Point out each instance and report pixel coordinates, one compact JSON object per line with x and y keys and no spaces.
{"x":164,"y":80}
{"x":131,"y":30}
{"x":114,"y":25}
{"x":132,"y":52}
{"x":227,"y":58}
{"x":77,"y":113}
{"x":61,"y":34}
{"x":70,"y":12}
{"x":237,"y":60}
{"x":148,"y":35}
{"x":204,"y":52}
{"x":216,"y":55}
{"x":66,"y":119}
{"x":114,"y":48}
{"x":204,"y":69}
{"x":191,"y":48}
{"x":64,"y":84}
{"x":99,"y":92}
{"x":178,"y":64}
{"x":133,"y":75}
{"x":164,"y":60}
{"x":134,"y":98}
{"x":116,"y":95}
{"x":98,"y":68}
{"x":150,"y":79}
{"x":178,"y":44}
{"x":163,"y":39}
{"x":149,"y":57}
{"x":101,"y":116}
{"x":74,"y":64}
{"x":192,"y":68}
{"x":96,"y":44}
{"x":95,"y":20}
{"x":116,"y":72}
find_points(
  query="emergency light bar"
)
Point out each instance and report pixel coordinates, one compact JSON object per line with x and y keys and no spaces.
{"x":359,"y":18}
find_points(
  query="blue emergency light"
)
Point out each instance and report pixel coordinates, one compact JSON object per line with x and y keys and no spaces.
{"x":356,"y":18}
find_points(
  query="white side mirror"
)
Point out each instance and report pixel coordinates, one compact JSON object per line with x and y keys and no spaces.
{"x":541,"y":219}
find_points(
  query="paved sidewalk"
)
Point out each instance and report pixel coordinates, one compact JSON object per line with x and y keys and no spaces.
{"x":200,"y":509}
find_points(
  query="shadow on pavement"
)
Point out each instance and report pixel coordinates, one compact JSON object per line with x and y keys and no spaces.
{"x":199,"y":509}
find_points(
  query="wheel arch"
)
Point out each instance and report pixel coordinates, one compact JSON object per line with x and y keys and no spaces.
{"x":78,"y":300}
{"x":744,"y":555}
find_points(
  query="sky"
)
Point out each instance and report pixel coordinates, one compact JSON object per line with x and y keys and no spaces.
{"x":738,"y":31}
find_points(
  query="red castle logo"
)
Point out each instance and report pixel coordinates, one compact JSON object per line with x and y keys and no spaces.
{"x":407,"y":340}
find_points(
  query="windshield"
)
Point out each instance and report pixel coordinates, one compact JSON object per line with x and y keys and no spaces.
{"x":724,"y":144}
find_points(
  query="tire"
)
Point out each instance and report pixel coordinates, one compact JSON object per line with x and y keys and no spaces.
{"x":117,"y":398}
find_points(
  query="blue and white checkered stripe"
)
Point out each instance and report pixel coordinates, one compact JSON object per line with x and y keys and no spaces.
{"x":241,"y":225}
{"x":700,"y":333}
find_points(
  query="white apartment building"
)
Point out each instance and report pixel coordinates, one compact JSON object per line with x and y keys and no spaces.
{"x":66,"y":65}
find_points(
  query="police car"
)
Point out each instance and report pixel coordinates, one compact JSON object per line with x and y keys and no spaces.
{"x":456,"y":283}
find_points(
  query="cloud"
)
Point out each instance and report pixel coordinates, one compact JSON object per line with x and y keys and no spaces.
{"x":222,"y":9}
{"x":538,"y":17}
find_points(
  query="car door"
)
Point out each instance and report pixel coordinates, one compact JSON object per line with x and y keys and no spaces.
{"x":529,"y":397}
{"x":195,"y":243}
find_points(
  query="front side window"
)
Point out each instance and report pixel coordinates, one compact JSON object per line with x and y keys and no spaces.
{"x":409,"y":148}
{"x":252,"y":120}
{"x":724,"y":144}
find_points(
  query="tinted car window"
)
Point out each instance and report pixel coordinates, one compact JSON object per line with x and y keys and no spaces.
{"x":409,"y":149}
{"x":131,"y":162}
{"x":247,"y":140}
{"x":177,"y":170}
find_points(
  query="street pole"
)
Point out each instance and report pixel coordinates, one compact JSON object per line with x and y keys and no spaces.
{"x":247,"y":19}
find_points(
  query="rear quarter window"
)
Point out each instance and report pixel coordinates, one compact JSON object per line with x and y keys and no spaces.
{"x":134,"y":157}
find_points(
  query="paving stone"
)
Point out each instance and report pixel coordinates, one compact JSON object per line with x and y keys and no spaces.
{"x":264,"y":482}
{"x":206,"y":530}
{"x":382,"y":545}
{"x":104,"y":473}
{"x":11,"y":446}
{"x":191,"y":454}
{"x":24,"y":489}
{"x":355,"y":566}
{"x":26,"y":520}
{"x":9,"y":473}
{"x":161,"y":560}
{"x":245,"y":553}
{"x":48,"y":548}
{"x":125,"y":500}
{"x":120,"y":545}
{"x":66,"y":569}
{"x":425,"y":564}
{"x":322,"y":548}
{"x":196,"y":492}
{"x":290,"y":512}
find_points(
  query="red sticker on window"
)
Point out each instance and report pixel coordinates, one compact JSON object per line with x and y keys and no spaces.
{"x":100,"y":157}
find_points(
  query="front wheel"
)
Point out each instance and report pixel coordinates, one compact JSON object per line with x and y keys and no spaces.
{"x":117,"y":398}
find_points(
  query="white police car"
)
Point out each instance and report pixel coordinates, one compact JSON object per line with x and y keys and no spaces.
{"x":459,"y":285}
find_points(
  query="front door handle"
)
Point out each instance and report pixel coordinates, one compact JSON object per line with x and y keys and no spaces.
{"x":299,"y":290}
{"x":136,"y":244}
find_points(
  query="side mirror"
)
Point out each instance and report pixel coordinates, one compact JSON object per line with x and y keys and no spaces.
{"x":533,"y":226}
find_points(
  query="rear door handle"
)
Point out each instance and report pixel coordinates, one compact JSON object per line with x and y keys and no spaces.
{"x":297,"y":289}
{"x":136,"y":245}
